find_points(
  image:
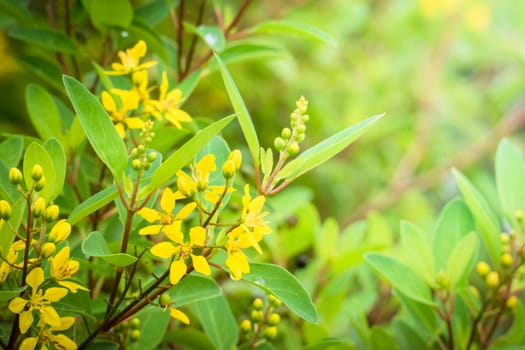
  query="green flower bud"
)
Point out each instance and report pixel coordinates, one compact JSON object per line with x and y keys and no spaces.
{"x":52,"y":212}
{"x":15,"y":176}
{"x":141,"y":149}
{"x":37,"y":172}
{"x":134,"y":323}
{"x":164,"y":300}
{"x":40,"y":184}
{"x":302,"y":104}
{"x":148,"y":140}
{"x":299,"y":138}
{"x":136,"y":164}
{"x":293,"y":149}
{"x":147,"y":166}
{"x":301,"y":128}
{"x":5,"y":210}
{"x":228,"y":169}
{"x":482,"y":268}
{"x":134,"y":335}
{"x":258,"y":304}
{"x":151,"y":157}
{"x":134,"y":152}
{"x":256,"y":316}
{"x":39,"y":206}
{"x":279,"y":144}
{"x":274,"y":301}
{"x":47,"y":249}
{"x":492,"y":279}
{"x":274,"y":319}
{"x":270,"y":333}
{"x":506,"y":259}
{"x":504,"y":237}
{"x":286,"y":133}
{"x":306,"y":118}
{"x":246,"y":326}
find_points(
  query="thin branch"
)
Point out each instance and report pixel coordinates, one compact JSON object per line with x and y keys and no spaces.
{"x":193,"y":44}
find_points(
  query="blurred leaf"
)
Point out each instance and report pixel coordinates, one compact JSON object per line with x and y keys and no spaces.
{"x":402,"y":277}
{"x":194,"y":288}
{"x":56,"y":151}
{"x":406,"y":337}
{"x":153,"y":12}
{"x":95,"y":245}
{"x":454,"y":223}
{"x":114,"y":13}
{"x":285,"y":286}
{"x":296,"y":238}
{"x":326,"y":246}
{"x":185,"y":154}
{"x":515,"y":334}
{"x":7,"y":231}
{"x":44,"y":69}
{"x":242,"y":112}
{"x":325,"y":149}
{"x":104,"y":78}
{"x":36,"y":154}
{"x":16,"y":10}
{"x":246,"y":50}
{"x":6,"y":295}
{"x":47,"y":38}
{"x":510,"y":172}
{"x":462,"y":259}
{"x":211,"y":35}
{"x":98,"y":127}
{"x":153,"y":326}
{"x":141,"y":29}
{"x":485,"y":220}
{"x":191,"y":337}
{"x":325,"y":344}
{"x":188,"y":85}
{"x":417,"y":250}
{"x":380,"y":339}
{"x":43,"y":112}
{"x":218,"y":321}
{"x":11,"y":150}
{"x":103,"y":345}
{"x":291,"y":27}
{"x":92,"y":204}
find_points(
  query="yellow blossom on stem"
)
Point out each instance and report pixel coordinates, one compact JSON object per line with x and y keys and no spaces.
{"x":60,"y":231}
{"x":129,"y":100}
{"x":39,"y":301}
{"x":183,"y":250}
{"x":48,"y":339}
{"x":130,"y":60}
{"x":167,"y":105}
{"x":62,"y":268}
{"x":167,"y":220}
{"x":7,"y":264}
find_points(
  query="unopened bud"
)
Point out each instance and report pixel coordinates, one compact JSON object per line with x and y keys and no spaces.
{"x":482,"y":268}
{"x":52,"y":212}
{"x":60,"y":231}
{"x":151,"y":157}
{"x":15,"y":176}
{"x":270,"y":333}
{"x":506,"y":259}
{"x":286,"y":133}
{"x":5,"y":210}
{"x":519,"y":215}
{"x":293,"y":149}
{"x":165,"y":300}
{"x":134,"y":335}
{"x":274,"y":319}
{"x":136,"y":164}
{"x":274,"y":301}
{"x":301,"y":128}
{"x":279,"y":144}
{"x":185,"y":185}
{"x":511,"y":302}
{"x":228,"y":169}
{"x":256,"y":316}
{"x":236,"y":157}
{"x":47,"y":249}
{"x":141,"y":149}
{"x":134,"y":323}
{"x":299,"y":138}
{"x":258,"y":304}
{"x":134,"y":152}
{"x":39,"y":206}
{"x":246,"y":326}
{"x":504,"y":237}
{"x":39,"y":185}
{"x":37,"y":172}
{"x":492,"y":279}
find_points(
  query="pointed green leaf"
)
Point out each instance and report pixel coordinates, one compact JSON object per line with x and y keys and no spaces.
{"x":46,"y":70}
{"x":285,"y":286}
{"x":47,"y":38}
{"x":402,"y":277}
{"x":43,"y":112}
{"x":11,"y":150}
{"x":455,"y":222}
{"x":92,"y":204}
{"x":462,"y":259}
{"x":194,"y":288}
{"x":98,"y":127}
{"x":245,"y":51}
{"x":483,"y":216}
{"x":95,"y":245}
{"x":6,"y":295}
{"x":218,"y":321}
{"x":325,"y":149}
{"x":186,"y":153}
{"x":292,"y":27}
{"x":153,"y":325}
{"x":7,"y":230}
{"x":243,"y":115}
{"x":58,"y":156}
{"x":37,"y":154}
{"x":510,"y":172}
{"x":417,"y":251}
{"x":114,"y":13}
{"x":213,"y":36}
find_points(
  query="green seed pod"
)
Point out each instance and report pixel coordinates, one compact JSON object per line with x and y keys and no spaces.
{"x":286,"y":133}
{"x":274,"y":319}
{"x":5,"y":210}
{"x":15,"y":176}
{"x":279,"y":144}
{"x":39,"y":206}
{"x":52,"y":212}
{"x":258,"y":304}
{"x":37,"y":172}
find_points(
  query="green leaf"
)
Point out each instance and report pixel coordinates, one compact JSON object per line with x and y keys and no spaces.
{"x":92,"y":204}
{"x":188,"y":85}
{"x":462,"y":259}
{"x":211,"y":35}
{"x":36,"y":154}
{"x":141,"y":29}
{"x":186,"y":153}
{"x":95,"y":245}
{"x":6,"y":295}
{"x":46,"y":38}
{"x":243,"y":115}
{"x":189,"y":337}
{"x":285,"y":286}
{"x":455,"y":222}
{"x":194,"y":288}
{"x":245,"y":51}
{"x":218,"y":321}
{"x":485,"y":220}
{"x":46,"y":70}
{"x":8,"y":191}
{"x":406,"y":337}
{"x":417,"y":251}
{"x":325,"y":246}
{"x":11,"y":150}
{"x":292,"y":27}
{"x":325,"y":149}
{"x":402,"y":277}
{"x":510,"y":172}
{"x":104,"y":78}
{"x":153,"y":12}
{"x":43,"y":112}
{"x":324,"y":344}
{"x":114,"y":13}
{"x":153,"y":325}
{"x":98,"y":127}
{"x":7,"y":231}
{"x":58,"y":156}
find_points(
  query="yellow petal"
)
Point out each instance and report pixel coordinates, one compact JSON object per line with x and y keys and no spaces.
{"x":163,"y":86}
{"x":25,"y":321}
{"x":173,"y":121}
{"x":63,"y":342}
{"x":177,"y":271}
{"x":120,"y":130}
{"x":149,"y":215}
{"x":65,"y":323}
{"x":35,"y":278}
{"x":139,"y":50}
{"x":108,"y":102}
{"x":17,"y":305}
{"x":197,"y":236}
{"x":167,"y":201}
{"x":164,"y":250}
{"x":28,"y":343}
{"x":134,"y":123}
{"x":150,"y":230}
{"x":186,"y":211}
{"x":206,"y":164}
{"x":72,"y":286}
{"x":55,"y":294}
{"x":179,"y":315}
{"x":201,"y":264}
{"x":174,"y":96}
{"x":180,"y":115}
{"x":62,"y":257}
{"x":173,"y":232}
{"x":237,"y":262}
{"x":50,"y":316}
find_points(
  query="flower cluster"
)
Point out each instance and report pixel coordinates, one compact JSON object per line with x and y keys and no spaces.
{"x":130,"y":109}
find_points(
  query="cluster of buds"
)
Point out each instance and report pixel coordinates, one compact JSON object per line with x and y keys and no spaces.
{"x":288,"y":143}
{"x":130,"y":329}
{"x":263,"y":320}
{"x":142,"y":159}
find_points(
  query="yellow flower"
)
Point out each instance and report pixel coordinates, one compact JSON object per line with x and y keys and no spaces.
{"x":237,"y":262}
{"x":166,"y":218}
{"x":168,"y":105}
{"x":140,"y":82}
{"x":182,"y":249}
{"x":179,"y":315}
{"x":130,"y":60}
{"x":50,"y":340}
{"x":62,"y":267}
{"x":39,"y":301}
{"x":7,"y":264}
{"x":130,"y":102}
{"x":60,"y":231}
